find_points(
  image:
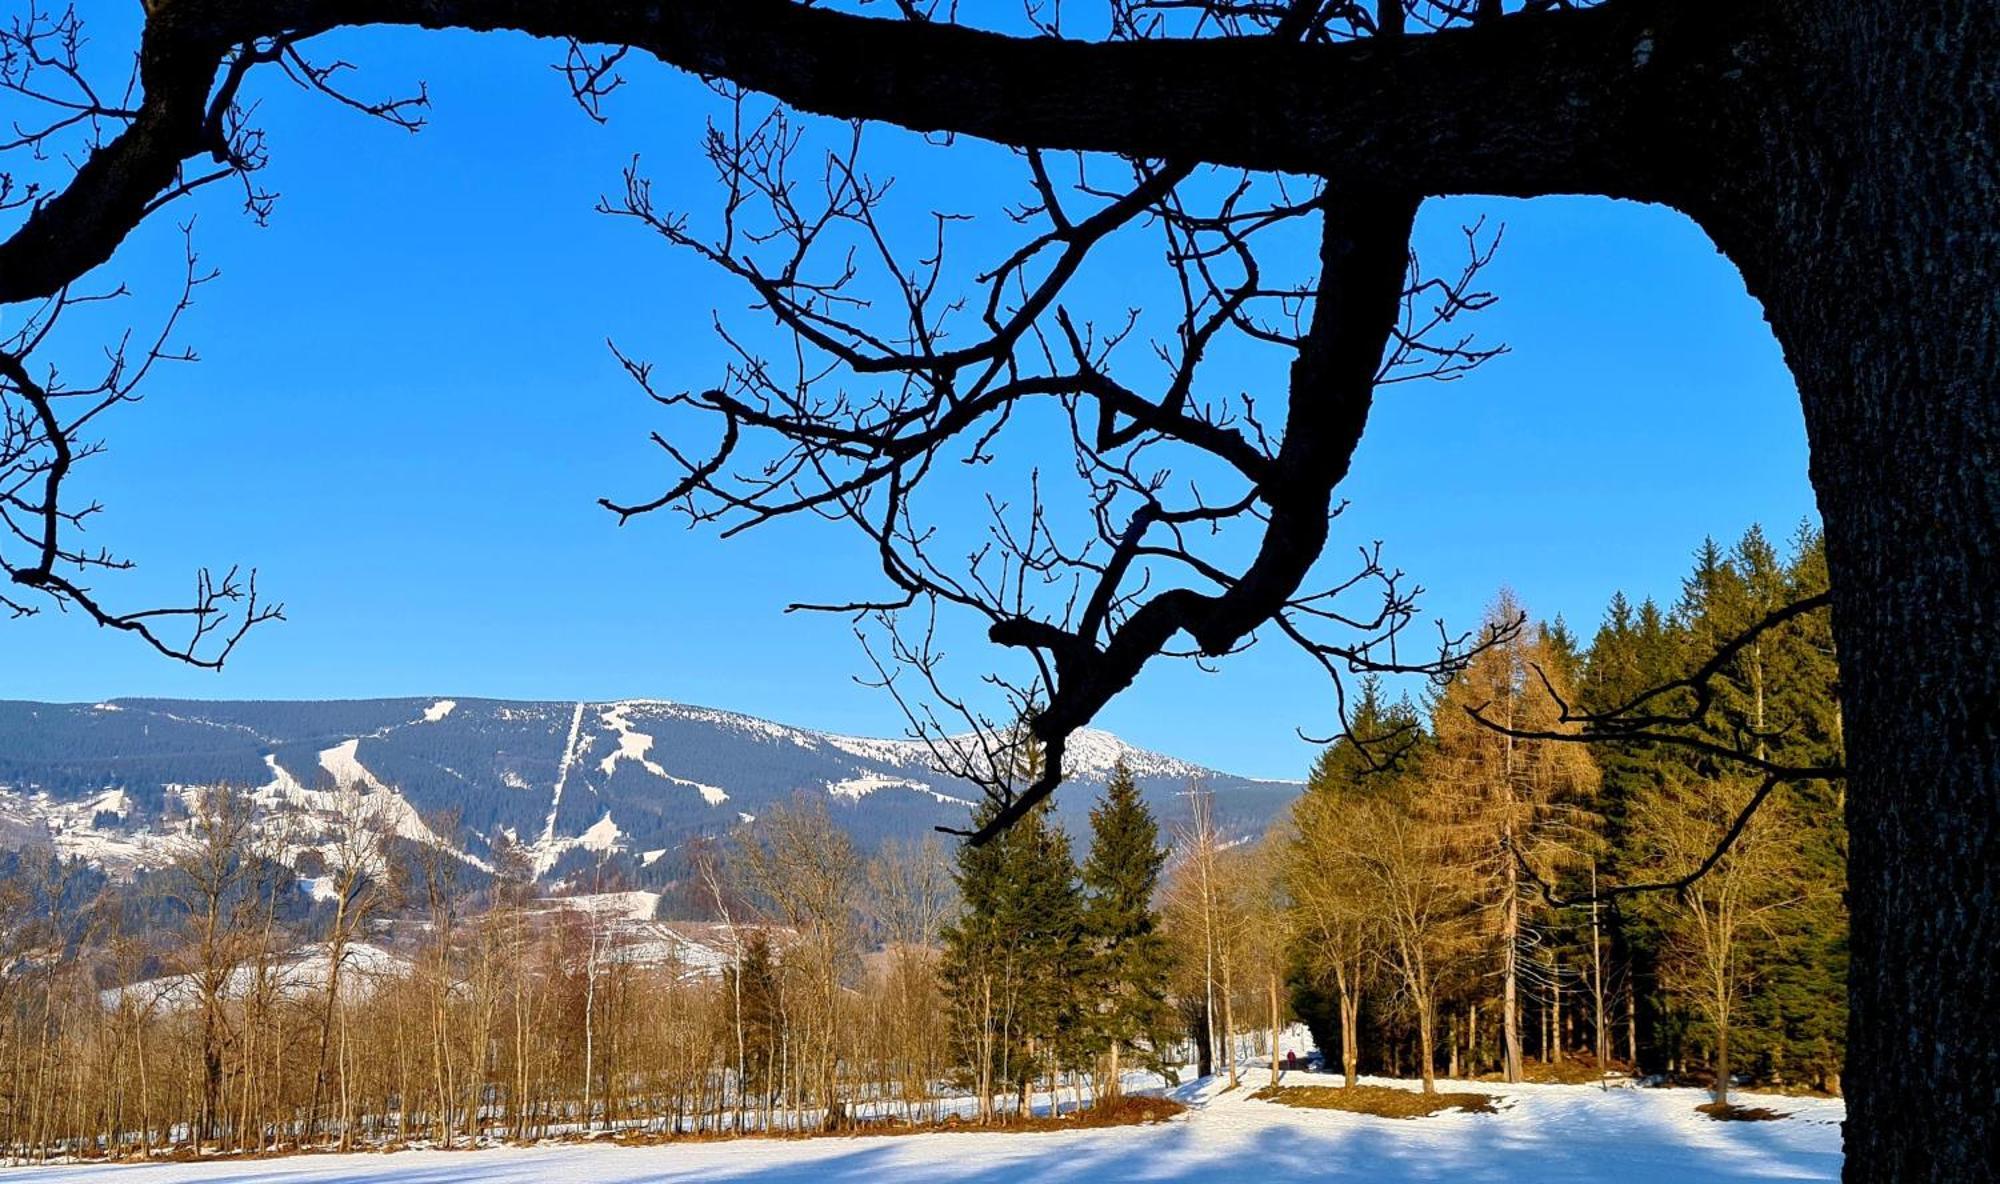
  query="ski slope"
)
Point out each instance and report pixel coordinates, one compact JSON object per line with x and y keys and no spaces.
{"x":1553,"y":1134}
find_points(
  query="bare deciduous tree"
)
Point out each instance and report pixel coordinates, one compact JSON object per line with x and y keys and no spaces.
{"x":212,"y":863}
{"x":1335,"y":912}
{"x":1404,"y":858}
{"x":806,"y":871}
{"x":1713,"y":916}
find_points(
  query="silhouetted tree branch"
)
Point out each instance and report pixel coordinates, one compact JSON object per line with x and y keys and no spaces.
{"x":886,"y":370}
{"x":1674,"y":713}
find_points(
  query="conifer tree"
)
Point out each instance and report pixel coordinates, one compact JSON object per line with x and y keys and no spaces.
{"x":1015,"y":958}
{"x":753,"y":978}
{"x":1807,"y":986}
{"x":1634,"y":650}
{"x":1130,"y":956}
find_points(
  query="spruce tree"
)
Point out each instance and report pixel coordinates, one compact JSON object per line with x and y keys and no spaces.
{"x":977,"y":964}
{"x":1802,"y":1001}
{"x":1129,"y":954}
{"x":1634,"y":651}
{"x":1015,"y":957}
{"x":1374,"y":737}
{"x":755,"y":980}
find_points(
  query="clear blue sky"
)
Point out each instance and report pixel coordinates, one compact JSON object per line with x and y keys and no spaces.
{"x":405,"y":412}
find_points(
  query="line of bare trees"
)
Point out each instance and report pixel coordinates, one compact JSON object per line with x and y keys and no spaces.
{"x":422,"y":999}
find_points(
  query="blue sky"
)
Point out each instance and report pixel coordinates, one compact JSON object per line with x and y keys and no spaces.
{"x":406,"y":410}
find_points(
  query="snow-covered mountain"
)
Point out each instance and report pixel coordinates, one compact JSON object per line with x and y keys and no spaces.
{"x":571,"y":783}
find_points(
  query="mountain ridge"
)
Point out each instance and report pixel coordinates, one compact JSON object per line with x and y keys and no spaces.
{"x":573,"y":784}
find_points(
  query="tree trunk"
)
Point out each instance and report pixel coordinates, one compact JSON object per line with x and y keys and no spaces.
{"x":986,"y":1050}
{"x":1426,"y":1048}
{"x":1228,"y":1022}
{"x":211,"y":1070}
{"x":1510,"y":1004}
{"x":1350,"y":1019}
{"x":1722,"y":1064}
{"x":1631,"y":1021}
{"x":1203,"y":1031}
{"x":1555,"y":1046}
{"x":1599,"y":1040}
{"x":1272,"y":982}
{"x":1862,"y":213}
{"x":1472,"y":1040}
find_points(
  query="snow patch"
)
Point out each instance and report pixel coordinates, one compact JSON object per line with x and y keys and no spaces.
{"x":603,"y":835}
{"x":1548,"y":1134}
{"x":545,"y":853}
{"x":609,"y":906}
{"x":111,"y":801}
{"x":298,"y":973}
{"x":282,"y":784}
{"x":898,"y":753}
{"x":439,"y":710}
{"x":856,"y":788}
{"x":346,"y":768}
{"x":713,"y":795}
{"x":377,"y":802}
{"x":736,"y":721}
{"x":1091,"y":754}
{"x":634,"y":745}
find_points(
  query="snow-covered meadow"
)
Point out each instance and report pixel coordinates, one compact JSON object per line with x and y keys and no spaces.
{"x":1548,"y":1134}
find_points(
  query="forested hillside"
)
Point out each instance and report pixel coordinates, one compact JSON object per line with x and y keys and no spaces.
{"x":574,"y":784}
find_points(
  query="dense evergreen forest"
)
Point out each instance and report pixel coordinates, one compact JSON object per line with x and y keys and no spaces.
{"x":1452,"y":895}
{"x":1431,"y":853}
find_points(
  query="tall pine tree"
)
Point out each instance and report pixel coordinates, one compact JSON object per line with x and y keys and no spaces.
{"x":1129,"y":954}
{"x":1015,"y":959}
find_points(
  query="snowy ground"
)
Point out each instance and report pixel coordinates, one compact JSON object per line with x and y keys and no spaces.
{"x":1546,"y":1134}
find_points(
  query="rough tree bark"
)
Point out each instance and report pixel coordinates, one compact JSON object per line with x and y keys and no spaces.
{"x":1861,"y":207}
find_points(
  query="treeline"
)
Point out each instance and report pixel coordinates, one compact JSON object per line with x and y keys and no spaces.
{"x":1432,"y":855}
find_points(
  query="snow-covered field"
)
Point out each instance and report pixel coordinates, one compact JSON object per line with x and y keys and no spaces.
{"x":1546,"y":1134}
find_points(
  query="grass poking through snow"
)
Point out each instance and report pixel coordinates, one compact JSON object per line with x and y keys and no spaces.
{"x":1731,"y":1112}
{"x":1383,"y":1101}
